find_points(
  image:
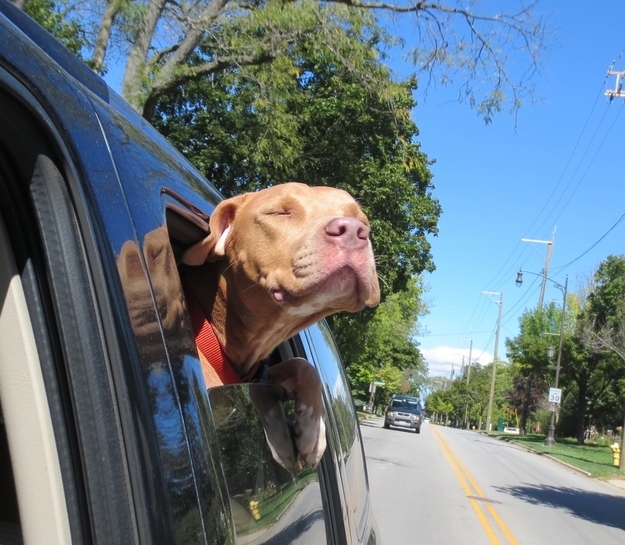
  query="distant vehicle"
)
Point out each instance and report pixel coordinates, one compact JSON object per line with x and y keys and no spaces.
{"x":511,"y":431}
{"x":404,"y":412}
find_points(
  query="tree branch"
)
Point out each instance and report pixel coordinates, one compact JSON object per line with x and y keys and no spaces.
{"x":113,"y":9}
{"x":189,"y":73}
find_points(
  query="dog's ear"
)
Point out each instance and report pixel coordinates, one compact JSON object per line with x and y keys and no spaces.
{"x":213,"y":246}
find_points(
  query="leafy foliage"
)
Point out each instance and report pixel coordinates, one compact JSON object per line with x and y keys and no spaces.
{"x":600,"y":370}
{"x":386,"y":346}
{"x":538,"y":330}
{"x":167,"y":44}
{"x":307,"y":117}
{"x":56,"y":18}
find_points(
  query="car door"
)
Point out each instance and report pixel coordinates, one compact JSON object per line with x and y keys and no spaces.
{"x":348,"y":450}
{"x":120,"y":457}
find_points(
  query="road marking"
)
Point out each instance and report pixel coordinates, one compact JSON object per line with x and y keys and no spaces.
{"x":475,"y":495}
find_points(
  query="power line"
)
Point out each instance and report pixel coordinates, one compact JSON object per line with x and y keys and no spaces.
{"x":558,"y":199}
{"x":589,"y":165}
{"x":591,"y":247}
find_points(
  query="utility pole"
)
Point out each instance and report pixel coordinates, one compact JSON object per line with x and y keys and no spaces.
{"x":618,"y":93}
{"x":549,"y":244}
{"x":466,"y":406}
{"x":489,"y":414}
{"x":469,"y":364}
{"x":618,"y":86}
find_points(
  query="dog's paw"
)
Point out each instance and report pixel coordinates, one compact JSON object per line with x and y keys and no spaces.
{"x":279,"y":437}
{"x":301,"y":383}
{"x":310,"y":434}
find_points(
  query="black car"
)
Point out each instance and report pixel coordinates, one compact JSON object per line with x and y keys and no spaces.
{"x":108,"y":434}
{"x":404,"y":412}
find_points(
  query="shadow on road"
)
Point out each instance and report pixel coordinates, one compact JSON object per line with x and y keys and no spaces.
{"x":377,"y":422}
{"x":592,"y":506}
{"x":371,"y":423}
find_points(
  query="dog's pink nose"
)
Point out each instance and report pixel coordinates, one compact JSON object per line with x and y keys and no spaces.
{"x":349,"y":232}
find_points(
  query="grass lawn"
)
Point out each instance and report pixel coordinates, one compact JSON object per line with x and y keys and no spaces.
{"x":594,"y":458}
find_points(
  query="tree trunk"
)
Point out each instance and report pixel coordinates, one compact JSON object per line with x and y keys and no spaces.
{"x":622,"y":462}
{"x":526,"y":404}
{"x":104,"y":34}
{"x":581,"y":409}
{"x":133,"y":82}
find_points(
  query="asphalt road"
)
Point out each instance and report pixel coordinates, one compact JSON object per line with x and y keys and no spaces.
{"x":456,"y":487}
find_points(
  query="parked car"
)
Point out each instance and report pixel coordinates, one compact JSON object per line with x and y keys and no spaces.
{"x":404,"y":412}
{"x":107,"y":433}
{"x":511,"y":430}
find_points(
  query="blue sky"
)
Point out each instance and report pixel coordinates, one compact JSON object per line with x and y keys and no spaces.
{"x":559,"y":167}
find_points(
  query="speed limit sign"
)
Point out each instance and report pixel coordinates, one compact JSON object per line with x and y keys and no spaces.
{"x":555,"y":395}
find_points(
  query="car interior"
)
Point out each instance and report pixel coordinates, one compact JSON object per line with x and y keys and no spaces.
{"x":25,"y":419}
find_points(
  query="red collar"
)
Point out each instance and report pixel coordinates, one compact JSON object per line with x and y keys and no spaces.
{"x":209,"y":345}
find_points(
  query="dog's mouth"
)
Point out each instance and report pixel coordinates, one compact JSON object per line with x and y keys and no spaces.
{"x":344,"y":284}
{"x":280,"y":295}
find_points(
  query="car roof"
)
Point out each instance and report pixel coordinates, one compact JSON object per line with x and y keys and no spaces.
{"x":60,"y":54}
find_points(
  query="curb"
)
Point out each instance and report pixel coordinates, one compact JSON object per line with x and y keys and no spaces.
{"x":620,"y":484}
{"x":617,"y":483}
{"x":548,"y":456}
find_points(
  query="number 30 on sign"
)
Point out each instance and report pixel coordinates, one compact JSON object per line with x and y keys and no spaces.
{"x":555,"y":395}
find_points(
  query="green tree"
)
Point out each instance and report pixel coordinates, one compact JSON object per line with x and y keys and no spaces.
{"x":167,"y":44}
{"x":438,"y":404}
{"x":59,"y":19}
{"x":471,"y":399}
{"x":386,"y":342}
{"x":478,"y":393}
{"x":539,"y":329}
{"x":601,"y":332}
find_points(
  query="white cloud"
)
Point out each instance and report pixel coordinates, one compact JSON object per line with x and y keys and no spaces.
{"x":441,"y":358}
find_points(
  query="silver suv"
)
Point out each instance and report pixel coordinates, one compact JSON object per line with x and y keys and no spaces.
{"x":404,"y":412}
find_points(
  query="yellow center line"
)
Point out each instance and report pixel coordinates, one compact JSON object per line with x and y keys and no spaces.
{"x":463,"y":475}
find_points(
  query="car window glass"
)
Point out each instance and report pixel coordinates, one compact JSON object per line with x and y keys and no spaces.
{"x":412,"y":404}
{"x":271,"y":501}
{"x":330,"y":367}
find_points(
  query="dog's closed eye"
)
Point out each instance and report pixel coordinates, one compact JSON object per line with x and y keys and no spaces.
{"x":280,"y":212}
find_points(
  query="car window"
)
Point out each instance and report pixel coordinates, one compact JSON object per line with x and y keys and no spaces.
{"x":328,"y":361}
{"x":330,"y":366}
{"x":408,"y":403}
{"x":271,"y":501}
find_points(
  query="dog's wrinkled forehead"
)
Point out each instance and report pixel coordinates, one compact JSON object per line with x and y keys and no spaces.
{"x":292,"y":208}
{"x":295,"y":200}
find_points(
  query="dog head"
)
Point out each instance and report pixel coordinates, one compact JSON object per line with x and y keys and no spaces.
{"x":292,"y":255}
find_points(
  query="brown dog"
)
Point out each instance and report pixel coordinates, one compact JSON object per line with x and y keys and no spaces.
{"x":275,"y":262}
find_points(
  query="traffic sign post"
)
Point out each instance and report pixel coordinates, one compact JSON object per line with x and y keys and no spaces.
{"x":555,"y":395}
{"x":555,"y":398}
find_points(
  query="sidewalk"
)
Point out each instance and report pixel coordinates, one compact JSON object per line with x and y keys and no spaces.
{"x":619,"y":483}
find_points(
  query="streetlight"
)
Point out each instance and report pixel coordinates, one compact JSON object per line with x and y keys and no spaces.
{"x":550,"y":440}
